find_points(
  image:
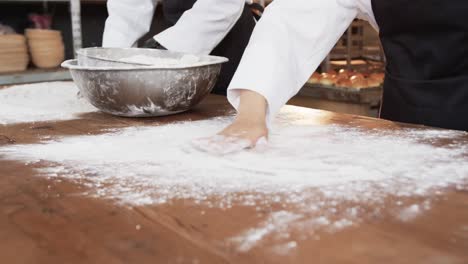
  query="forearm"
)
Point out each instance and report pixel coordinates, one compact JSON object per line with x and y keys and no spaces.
{"x":252,"y":107}
{"x":250,"y":125}
{"x":288,"y":43}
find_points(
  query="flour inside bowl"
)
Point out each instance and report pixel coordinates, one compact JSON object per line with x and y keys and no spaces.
{"x":185,"y":60}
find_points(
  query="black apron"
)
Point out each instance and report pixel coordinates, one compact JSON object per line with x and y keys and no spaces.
{"x":231,"y":47}
{"x":426,"y":45}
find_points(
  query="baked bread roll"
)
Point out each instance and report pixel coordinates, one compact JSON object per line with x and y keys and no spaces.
{"x":332,"y":72}
{"x":344,"y":83}
{"x":373,"y":82}
{"x":358,"y":81}
{"x":357,"y":76}
{"x":378,"y":77}
{"x":315,"y":78}
{"x":327,"y":79}
{"x":344,"y":74}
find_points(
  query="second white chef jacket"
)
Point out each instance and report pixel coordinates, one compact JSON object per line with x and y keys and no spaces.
{"x":289,"y":43}
{"x":198,"y":31}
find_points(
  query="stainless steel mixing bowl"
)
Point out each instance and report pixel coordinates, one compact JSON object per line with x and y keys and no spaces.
{"x":133,"y":90}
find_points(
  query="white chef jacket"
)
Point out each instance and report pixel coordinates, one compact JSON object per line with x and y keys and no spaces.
{"x":198,"y":31}
{"x":289,"y":43}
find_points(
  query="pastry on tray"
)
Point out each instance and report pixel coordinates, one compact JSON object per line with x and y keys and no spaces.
{"x":347,"y":79}
{"x":327,"y":79}
{"x":315,"y":78}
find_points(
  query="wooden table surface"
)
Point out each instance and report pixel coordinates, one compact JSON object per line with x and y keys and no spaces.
{"x":43,"y":220}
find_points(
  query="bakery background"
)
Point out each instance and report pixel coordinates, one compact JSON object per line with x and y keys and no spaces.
{"x":37,"y":35}
{"x":350,"y":189}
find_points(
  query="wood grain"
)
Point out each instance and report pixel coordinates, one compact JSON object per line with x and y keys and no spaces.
{"x":51,"y":221}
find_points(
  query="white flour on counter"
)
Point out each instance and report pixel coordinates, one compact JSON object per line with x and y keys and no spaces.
{"x":322,"y":176}
{"x":41,"y":102}
{"x":276,"y":222}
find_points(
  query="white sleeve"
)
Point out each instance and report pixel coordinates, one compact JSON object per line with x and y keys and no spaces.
{"x":128,"y":21}
{"x":288,"y":44}
{"x":203,"y":27}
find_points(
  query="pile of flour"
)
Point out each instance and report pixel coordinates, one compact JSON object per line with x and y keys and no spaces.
{"x":321,"y":176}
{"x":303,"y":165}
{"x":41,"y":102}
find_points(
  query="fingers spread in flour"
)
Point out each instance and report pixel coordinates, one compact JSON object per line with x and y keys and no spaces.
{"x":221,"y":145}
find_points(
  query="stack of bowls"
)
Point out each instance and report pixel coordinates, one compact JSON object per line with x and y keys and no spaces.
{"x":46,"y":47}
{"x":13,"y":53}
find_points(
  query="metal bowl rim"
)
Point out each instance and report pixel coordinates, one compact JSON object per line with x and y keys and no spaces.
{"x":73,"y":65}
{"x":215,"y":60}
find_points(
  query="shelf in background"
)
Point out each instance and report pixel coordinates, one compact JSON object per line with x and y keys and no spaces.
{"x":34,"y":75}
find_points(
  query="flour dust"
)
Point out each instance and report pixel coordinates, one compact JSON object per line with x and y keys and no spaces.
{"x":320,"y":176}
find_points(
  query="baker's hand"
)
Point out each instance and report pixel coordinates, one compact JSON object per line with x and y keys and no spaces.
{"x":247,"y":131}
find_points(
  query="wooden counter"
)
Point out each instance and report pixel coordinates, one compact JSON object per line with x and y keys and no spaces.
{"x":365,"y":101}
{"x":45,"y":221}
